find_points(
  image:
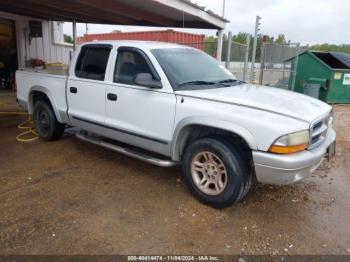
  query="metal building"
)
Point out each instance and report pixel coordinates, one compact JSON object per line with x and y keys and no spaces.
{"x":171,"y":36}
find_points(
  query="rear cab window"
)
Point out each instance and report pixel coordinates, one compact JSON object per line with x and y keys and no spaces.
{"x":92,"y":62}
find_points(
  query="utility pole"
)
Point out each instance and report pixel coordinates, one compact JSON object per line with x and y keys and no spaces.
{"x":220,"y":35}
{"x":223,"y":8}
{"x":257,"y":29}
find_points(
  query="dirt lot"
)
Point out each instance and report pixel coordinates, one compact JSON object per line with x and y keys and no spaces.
{"x":71,"y":197}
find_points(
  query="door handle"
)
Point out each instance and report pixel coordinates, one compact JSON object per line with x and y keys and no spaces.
{"x":112,"y":97}
{"x":73,"y":90}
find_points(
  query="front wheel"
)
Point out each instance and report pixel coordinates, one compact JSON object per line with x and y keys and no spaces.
{"x":216,"y":172}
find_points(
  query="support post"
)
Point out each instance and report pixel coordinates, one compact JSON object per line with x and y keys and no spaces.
{"x":262,"y":63}
{"x":228,"y":53}
{"x":74,"y":23}
{"x":219,"y":44}
{"x":246,"y":58}
{"x":295,"y":66}
{"x":257,"y":23}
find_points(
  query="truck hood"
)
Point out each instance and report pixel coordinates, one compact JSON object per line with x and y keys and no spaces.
{"x":266,"y":98}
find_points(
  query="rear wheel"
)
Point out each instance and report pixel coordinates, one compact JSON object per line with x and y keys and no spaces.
{"x":46,"y":123}
{"x":216,"y":172}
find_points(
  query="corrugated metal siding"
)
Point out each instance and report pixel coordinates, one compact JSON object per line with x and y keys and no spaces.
{"x":170,"y":36}
{"x":43,"y":48}
{"x":343,"y":57}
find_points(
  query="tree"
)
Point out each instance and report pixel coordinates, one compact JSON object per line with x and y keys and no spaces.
{"x":281,"y":39}
{"x":240,"y":37}
{"x":330,"y":47}
{"x":210,"y":44}
{"x":68,"y":39}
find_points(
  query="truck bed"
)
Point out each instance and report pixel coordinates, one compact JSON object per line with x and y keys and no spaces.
{"x":53,"y":85}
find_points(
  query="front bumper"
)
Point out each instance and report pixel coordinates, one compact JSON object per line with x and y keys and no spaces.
{"x":287,"y":169}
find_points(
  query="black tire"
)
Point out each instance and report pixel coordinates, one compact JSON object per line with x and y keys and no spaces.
{"x":238,"y":171}
{"x":47,"y":126}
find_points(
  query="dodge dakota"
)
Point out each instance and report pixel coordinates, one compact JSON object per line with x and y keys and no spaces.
{"x":169,"y":104}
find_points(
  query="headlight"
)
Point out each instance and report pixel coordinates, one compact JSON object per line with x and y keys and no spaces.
{"x":291,"y":143}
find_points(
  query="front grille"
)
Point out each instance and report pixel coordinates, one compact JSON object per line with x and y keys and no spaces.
{"x":319,"y":131}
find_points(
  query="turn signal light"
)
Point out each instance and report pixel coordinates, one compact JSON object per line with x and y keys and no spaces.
{"x":287,"y":149}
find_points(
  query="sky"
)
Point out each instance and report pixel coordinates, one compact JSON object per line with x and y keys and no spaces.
{"x":304,"y":21}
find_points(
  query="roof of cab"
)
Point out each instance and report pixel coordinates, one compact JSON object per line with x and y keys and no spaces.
{"x":139,"y":44}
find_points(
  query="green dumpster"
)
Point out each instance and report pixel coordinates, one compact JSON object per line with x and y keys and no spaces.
{"x":329,"y":70}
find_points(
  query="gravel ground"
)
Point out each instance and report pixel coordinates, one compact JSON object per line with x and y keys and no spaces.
{"x":71,"y":197}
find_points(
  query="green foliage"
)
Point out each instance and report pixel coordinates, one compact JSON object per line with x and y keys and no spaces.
{"x":210,"y":45}
{"x":281,"y":39}
{"x":68,"y":39}
{"x":329,"y":47}
{"x":240,"y":38}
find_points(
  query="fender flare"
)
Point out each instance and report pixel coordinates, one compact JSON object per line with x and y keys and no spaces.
{"x":208,"y":122}
{"x":47,"y":92}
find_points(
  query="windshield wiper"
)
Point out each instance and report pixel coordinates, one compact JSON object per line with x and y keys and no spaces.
{"x":229,"y":80}
{"x":199,"y":82}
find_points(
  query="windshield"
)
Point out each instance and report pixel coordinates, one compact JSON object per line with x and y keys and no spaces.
{"x":189,"y":68}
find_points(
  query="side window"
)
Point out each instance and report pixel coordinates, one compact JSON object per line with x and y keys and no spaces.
{"x":92,"y":62}
{"x":129,"y":64}
{"x":79,"y":64}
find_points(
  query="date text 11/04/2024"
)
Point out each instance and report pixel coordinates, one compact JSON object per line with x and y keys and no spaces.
{"x":173,"y":258}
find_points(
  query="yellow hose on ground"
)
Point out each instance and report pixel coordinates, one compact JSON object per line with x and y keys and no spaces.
{"x":27,"y":125}
{"x":28,"y":130}
{"x":14,"y":113}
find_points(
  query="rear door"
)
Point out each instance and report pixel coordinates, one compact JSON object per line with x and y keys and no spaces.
{"x":86,"y":90}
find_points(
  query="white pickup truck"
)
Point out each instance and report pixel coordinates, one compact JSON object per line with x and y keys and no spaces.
{"x":169,"y":104}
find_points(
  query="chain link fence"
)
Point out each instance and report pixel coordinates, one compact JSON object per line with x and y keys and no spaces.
{"x":275,"y":66}
{"x":237,"y":62}
{"x":237,"y":52}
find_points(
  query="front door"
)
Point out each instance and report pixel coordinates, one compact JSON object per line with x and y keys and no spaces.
{"x":137,"y":115}
{"x":86,"y":90}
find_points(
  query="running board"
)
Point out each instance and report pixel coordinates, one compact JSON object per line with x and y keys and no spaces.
{"x":126,"y":151}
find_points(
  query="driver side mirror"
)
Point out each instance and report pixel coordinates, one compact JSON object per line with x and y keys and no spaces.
{"x":146,"y":79}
